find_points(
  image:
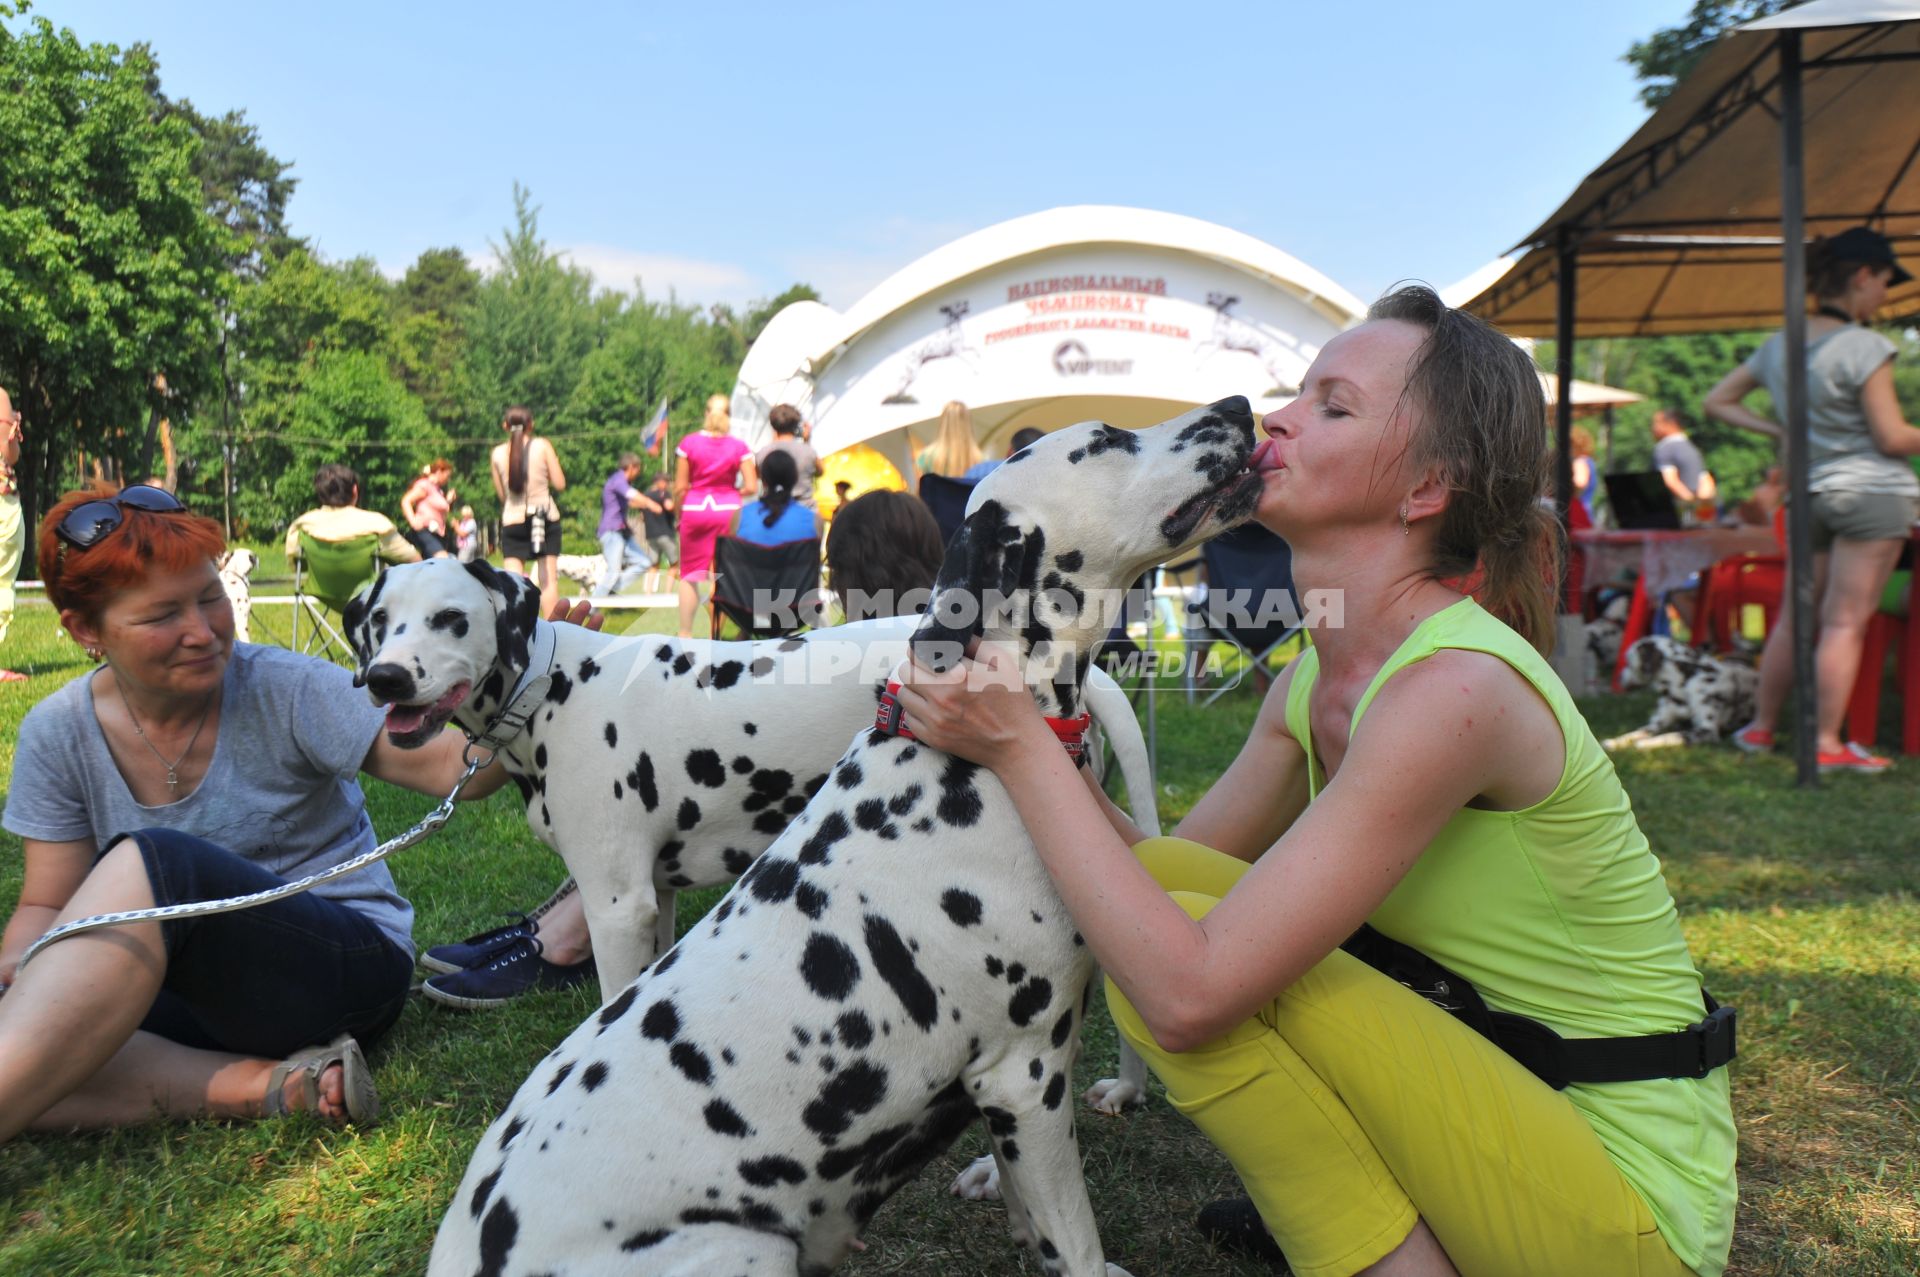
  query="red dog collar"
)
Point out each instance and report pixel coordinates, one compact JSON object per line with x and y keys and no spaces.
{"x":1071,"y":731}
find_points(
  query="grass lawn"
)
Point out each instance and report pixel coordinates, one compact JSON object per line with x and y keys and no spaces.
{"x":1803,"y":909}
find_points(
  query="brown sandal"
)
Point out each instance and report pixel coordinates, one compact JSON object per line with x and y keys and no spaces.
{"x":356,"y":1080}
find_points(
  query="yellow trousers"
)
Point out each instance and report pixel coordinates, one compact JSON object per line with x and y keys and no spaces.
{"x":1351,"y":1107}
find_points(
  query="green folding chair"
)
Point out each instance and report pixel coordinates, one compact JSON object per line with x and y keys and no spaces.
{"x":325,"y":576}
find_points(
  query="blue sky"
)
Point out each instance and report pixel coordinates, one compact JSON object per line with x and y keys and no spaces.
{"x":725,"y":151}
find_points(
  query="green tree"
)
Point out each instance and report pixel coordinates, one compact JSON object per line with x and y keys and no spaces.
{"x":431,"y":307}
{"x":110,"y":270}
{"x":1663,"y":59}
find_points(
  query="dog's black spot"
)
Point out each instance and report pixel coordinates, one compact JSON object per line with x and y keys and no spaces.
{"x":666,"y":960}
{"x":560,"y":688}
{"x":613,"y":736}
{"x":663,"y":653}
{"x":588,"y":668}
{"x":1071,"y":561}
{"x":870,"y":814}
{"x":703,"y":768}
{"x":683,"y":662}
{"x":904,"y":801}
{"x":774,"y":879}
{"x":721,"y":676}
{"x":906,"y":755}
{"x":769,"y":822}
{"x":559,"y":1077}
{"x":832,"y":829}
{"x":751,"y":729}
{"x":688,"y":815}
{"x":640,"y":781}
{"x":735,"y":860}
{"x":811,"y":900}
{"x":894,"y":962}
{"x":765,"y":1172}
{"x":789,"y":645}
{"x":855,"y":1030}
{"x":493,"y":687}
{"x":742,"y":765}
{"x":677,"y":881}
{"x":1056,"y":1088}
{"x":545,"y":818}
{"x":1048,"y":1250}
{"x":524,"y":785}
{"x":508,"y":1135}
{"x":924,"y":825}
{"x":999,"y":1121}
{"x":848,"y":775}
{"x":662,"y":1020}
{"x":1035,"y":1069}
{"x":960,"y":802}
{"x":709,"y":1215}
{"x":540,"y":756}
{"x":594,"y":1074}
{"x":995,"y":966}
{"x":724,"y":1119}
{"x":483,"y":1190}
{"x":961,"y":906}
{"x":829,"y":967}
{"x":813,"y":786}
{"x":794,"y":804}
{"x":649,"y":1237}
{"x":761,"y":667}
{"x":1016,"y":973}
{"x":1062,"y":1028}
{"x":618,"y":792}
{"x":692,"y":1062}
{"x":859,"y":1088}
{"x":618,"y":1007}
{"x":498,"y":1232}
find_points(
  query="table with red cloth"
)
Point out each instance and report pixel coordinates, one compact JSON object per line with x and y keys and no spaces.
{"x":1664,"y":560}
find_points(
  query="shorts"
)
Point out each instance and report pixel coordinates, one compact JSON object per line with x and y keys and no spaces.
{"x":516,"y":539}
{"x":1842,"y":515}
{"x":269,"y":980}
{"x":665,"y":548}
{"x":428,"y":542}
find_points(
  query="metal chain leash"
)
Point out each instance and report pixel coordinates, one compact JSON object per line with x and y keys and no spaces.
{"x":432,"y":821}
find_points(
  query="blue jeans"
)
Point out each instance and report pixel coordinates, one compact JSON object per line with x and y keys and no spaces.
{"x":625,"y":561}
{"x":269,"y":980}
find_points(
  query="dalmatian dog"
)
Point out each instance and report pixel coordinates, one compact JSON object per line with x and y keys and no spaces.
{"x":1702,"y":698}
{"x":1603,"y":639}
{"x":236,"y":566}
{"x":585,"y":569}
{"x":893,"y":968}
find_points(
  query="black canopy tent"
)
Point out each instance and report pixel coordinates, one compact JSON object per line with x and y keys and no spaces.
{"x":1791,"y":127}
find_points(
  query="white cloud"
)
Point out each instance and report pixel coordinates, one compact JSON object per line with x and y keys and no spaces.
{"x":691,"y":278}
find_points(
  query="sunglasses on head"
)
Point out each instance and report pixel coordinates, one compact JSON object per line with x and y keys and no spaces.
{"x":90,"y":521}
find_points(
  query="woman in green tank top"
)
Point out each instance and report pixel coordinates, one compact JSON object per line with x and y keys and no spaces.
{"x":1423,"y":770}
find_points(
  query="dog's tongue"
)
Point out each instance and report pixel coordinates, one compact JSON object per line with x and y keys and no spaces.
{"x":405,"y":718}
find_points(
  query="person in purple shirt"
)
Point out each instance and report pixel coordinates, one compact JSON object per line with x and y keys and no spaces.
{"x":626,"y":558}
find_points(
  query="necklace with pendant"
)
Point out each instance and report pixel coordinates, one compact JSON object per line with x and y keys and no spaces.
{"x":173,"y":768}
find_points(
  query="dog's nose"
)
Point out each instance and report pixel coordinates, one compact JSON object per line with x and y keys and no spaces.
{"x":390,"y":682}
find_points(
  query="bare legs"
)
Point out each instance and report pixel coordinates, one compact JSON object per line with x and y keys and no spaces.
{"x":1847,"y":583}
{"x":689,"y":604}
{"x":70,"y":1055}
{"x":548,"y":580}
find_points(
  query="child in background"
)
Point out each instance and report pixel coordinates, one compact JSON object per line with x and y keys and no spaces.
{"x":467,"y":535}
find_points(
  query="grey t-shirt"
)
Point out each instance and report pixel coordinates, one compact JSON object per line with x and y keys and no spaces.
{"x":1678,"y":451}
{"x":282,"y":790}
{"x":1843,"y":453}
{"x":805,"y":459}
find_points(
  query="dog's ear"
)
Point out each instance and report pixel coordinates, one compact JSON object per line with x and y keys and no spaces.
{"x":517,"y":613}
{"x":353,"y":619}
{"x":988,"y":560}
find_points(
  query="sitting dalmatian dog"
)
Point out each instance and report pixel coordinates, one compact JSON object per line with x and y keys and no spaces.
{"x":897,"y":964}
{"x":236,"y":565}
{"x":1702,"y":698}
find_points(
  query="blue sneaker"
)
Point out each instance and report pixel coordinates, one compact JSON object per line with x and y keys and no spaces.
{"x":479,"y":950}
{"x":515,"y":970}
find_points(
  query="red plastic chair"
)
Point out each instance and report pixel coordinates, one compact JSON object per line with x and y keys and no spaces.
{"x":1863,"y":708}
{"x":1731,"y":585}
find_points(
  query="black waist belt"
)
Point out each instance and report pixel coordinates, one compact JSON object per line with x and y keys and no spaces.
{"x":1694,"y":1051}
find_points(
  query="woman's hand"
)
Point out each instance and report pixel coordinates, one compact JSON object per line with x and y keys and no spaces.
{"x":577,"y":612}
{"x":980,"y":710}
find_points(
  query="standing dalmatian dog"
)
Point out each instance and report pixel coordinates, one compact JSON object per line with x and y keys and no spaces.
{"x":651,"y":765}
{"x":894,"y":967}
{"x":236,"y":566}
{"x":1702,"y":698}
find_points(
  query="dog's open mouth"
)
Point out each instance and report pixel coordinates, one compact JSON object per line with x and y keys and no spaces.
{"x":1230,"y":502}
{"x":411,"y":726}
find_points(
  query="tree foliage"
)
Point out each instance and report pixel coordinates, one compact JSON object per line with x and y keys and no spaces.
{"x":1663,"y":59}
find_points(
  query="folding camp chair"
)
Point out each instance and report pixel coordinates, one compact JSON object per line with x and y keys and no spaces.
{"x":1248,"y":601}
{"x":947,"y":498}
{"x":326,"y":574}
{"x":766,"y":591}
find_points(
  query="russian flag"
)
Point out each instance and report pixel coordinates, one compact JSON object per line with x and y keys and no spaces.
{"x":650,"y":437}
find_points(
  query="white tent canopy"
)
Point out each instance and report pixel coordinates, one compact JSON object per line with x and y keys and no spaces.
{"x":1090,"y":312}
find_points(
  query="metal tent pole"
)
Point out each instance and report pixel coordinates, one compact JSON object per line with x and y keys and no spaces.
{"x":1566,"y":281}
{"x":1793,"y":238}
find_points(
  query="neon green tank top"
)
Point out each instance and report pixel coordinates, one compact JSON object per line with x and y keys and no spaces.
{"x":1559,"y":912}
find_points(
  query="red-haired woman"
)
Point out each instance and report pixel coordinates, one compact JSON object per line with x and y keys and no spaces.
{"x":185,"y":768}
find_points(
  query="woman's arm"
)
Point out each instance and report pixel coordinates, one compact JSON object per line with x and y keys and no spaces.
{"x":1271,"y":764}
{"x":556,"y":477}
{"x":749,"y":477}
{"x":1723,"y":403}
{"x":494,"y":468}
{"x":408,"y":500}
{"x":54,"y":871}
{"x":432,"y":768}
{"x":1462,"y":724}
{"x":682,"y":480}
{"x":1891,"y":433}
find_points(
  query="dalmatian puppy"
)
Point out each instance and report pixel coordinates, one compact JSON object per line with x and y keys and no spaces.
{"x":896,"y":965}
{"x":236,"y":566}
{"x":1702,"y":698}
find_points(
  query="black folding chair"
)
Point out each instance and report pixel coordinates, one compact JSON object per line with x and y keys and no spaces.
{"x":947,"y":498}
{"x":766,"y":591}
{"x":1248,"y":601}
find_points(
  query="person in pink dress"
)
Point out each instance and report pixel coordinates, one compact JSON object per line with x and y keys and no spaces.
{"x":713,"y":473}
